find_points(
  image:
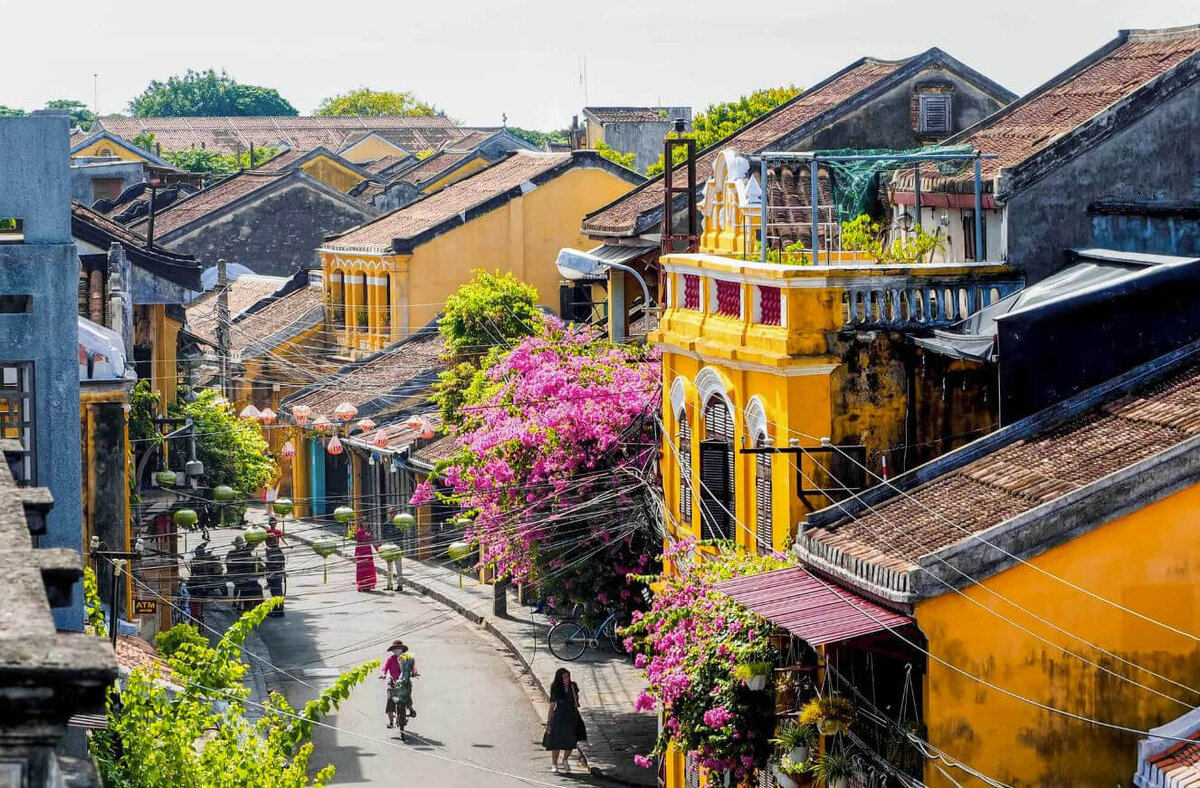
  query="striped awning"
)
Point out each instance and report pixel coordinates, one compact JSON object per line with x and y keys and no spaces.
{"x":811,"y":607}
{"x":90,"y":721}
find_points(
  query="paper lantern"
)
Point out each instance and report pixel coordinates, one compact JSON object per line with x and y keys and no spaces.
{"x":250,"y":412}
{"x":288,"y":451}
{"x":267,"y":416}
{"x":283,"y":506}
{"x":458,"y":551}
{"x":255,"y":535}
{"x":427,"y":432}
{"x":404,"y":521}
{"x":300,"y":414}
{"x":165,"y":478}
{"x":381,"y":440}
{"x":185,"y":518}
{"x":463,"y":522}
{"x":366,"y":425}
{"x":414,"y":423}
{"x":321,"y":424}
{"x":223,"y":493}
{"x":343,"y":514}
{"x":345,"y":411}
{"x":324,"y":546}
{"x":334,"y":446}
{"x":390,"y":552}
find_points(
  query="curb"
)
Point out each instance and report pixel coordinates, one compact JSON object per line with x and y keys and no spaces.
{"x":485,"y":623}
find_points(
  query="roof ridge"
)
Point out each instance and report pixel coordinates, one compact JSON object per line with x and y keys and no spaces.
{"x":1161,"y":33}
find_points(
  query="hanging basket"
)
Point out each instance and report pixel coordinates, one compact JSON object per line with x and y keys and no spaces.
{"x":756,"y":683}
{"x":255,"y":535}
{"x":404,"y":521}
{"x":324,"y":546}
{"x":185,"y":518}
{"x":283,"y":506}
{"x":390,"y":552}
{"x":458,"y":551}
{"x":166,"y":478}
{"x":223,"y":493}
{"x":343,"y":514}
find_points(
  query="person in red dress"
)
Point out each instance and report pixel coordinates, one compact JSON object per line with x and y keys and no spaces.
{"x":364,"y":558}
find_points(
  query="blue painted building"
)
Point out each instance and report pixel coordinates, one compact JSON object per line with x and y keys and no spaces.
{"x":39,"y":373}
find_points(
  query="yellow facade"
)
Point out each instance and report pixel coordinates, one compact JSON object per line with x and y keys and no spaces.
{"x":332,"y":173}
{"x":370,"y":148}
{"x":1148,"y":561}
{"x":379,"y":298}
{"x":109,"y":147}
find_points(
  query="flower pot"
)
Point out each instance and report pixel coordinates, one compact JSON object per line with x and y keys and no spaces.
{"x":798,"y":754}
{"x":756,"y":683}
{"x":785,"y":780}
{"x":839,"y":782}
{"x":830,"y":727}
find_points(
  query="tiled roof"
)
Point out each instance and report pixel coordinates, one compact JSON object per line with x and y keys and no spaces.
{"x":244,"y":292}
{"x":1177,"y":766}
{"x":278,"y":321}
{"x":625,"y":114}
{"x":283,"y":162}
{"x":366,"y":191}
{"x":183,"y":212}
{"x":474,"y":138}
{"x":427,"y":213}
{"x":1019,"y":477}
{"x":385,"y":379}
{"x":297,"y":132}
{"x":399,"y":435}
{"x":381,"y":166}
{"x":436,"y":450}
{"x":434,"y":165}
{"x":621,"y":216}
{"x":1066,"y":102}
{"x":99,"y":230}
{"x":411,"y":140}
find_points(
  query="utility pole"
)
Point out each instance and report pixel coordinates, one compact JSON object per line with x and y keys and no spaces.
{"x":96,"y":95}
{"x":223,"y":325}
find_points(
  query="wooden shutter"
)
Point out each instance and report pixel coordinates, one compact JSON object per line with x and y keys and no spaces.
{"x":763,"y":527}
{"x":685,"y":469}
{"x":714,"y":489}
{"x":935,"y":113}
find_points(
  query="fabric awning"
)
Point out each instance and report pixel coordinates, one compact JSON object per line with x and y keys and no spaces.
{"x":598,"y":258}
{"x":810,"y":607}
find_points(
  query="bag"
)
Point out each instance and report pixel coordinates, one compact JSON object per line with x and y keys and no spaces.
{"x":580,"y":728}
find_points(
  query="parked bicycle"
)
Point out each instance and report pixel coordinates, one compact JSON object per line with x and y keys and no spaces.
{"x":569,"y":639}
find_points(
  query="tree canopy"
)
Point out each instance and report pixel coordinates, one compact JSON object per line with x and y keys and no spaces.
{"x":367,"y":102}
{"x":718,"y":121}
{"x":10,"y":112}
{"x":206,"y":160}
{"x":207,"y":94}
{"x":81,"y":115}
{"x":540,"y":138}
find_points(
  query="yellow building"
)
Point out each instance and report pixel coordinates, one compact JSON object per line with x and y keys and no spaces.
{"x":104,"y":144}
{"x":387,"y":278}
{"x":322,"y":164}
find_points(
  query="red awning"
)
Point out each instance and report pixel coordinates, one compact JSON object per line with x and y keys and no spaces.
{"x":810,"y":607}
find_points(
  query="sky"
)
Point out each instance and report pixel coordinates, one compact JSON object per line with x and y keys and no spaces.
{"x":481,"y":60}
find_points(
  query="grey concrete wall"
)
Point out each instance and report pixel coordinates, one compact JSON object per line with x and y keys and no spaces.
{"x":1155,"y":159}
{"x":644,"y":140}
{"x":276,"y":235}
{"x":82,"y":175}
{"x":109,"y":512}
{"x":35,"y":186}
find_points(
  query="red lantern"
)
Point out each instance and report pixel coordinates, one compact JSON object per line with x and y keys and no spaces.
{"x":249,"y":412}
{"x":288,"y":451}
{"x":427,"y":432}
{"x":366,"y":425}
{"x":300,"y":414}
{"x":267,"y":416}
{"x":345,"y":411}
{"x":321,"y":424}
{"x":381,"y":440}
{"x":334,"y":446}
{"x":414,"y":423}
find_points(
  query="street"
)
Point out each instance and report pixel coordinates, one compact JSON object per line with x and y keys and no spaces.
{"x":476,"y":724}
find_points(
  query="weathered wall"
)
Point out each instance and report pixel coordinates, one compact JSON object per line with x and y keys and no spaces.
{"x":37,"y":188}
{"x":644,"y":140}
{"x":276,"y":235}
{"x":106,"y":147}
{"x":1154,"y":159}
{"x":1148,"y":561}
{"x":129,"y":172}
{"x":331,"y":173}
{"x":107,"y":490}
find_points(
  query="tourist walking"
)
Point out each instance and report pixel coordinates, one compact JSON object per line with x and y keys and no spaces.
{"x":276,"y":563}
{"x":562,"y":732}
{"x":364,"y":558}
{"x":241,"y":567}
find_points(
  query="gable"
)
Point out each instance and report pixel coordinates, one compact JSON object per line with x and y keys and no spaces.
{"x":104,"y":145}
{"x":370,"y":148}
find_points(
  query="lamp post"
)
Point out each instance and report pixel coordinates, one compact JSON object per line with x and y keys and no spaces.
{"x":576,"y":265}
{"x":153,"y":182}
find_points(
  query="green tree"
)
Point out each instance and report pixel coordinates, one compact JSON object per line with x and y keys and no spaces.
{"x":205,"y":160}
{"x":718,"y":121}
{"x":367,"y":102}
{"x":867,"y":235}
{"x":81,"y":115}
{"x":207,"y":94}
{"x":614,"y":155}
{"x":234,"y":451}
{"x":540,"y":138}
{"x":200,"y":736}
{"x":10,"y":112}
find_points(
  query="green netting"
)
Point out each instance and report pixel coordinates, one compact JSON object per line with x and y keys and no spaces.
{"x":855,"y":184}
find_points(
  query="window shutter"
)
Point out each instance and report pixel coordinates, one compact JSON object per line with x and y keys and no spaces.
{"x":685,"y":469}
{"x":935,"y":113}
{"x":763,"y":528}
{"x":714,"y":490}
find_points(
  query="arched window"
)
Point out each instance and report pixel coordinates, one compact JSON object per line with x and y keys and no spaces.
{"x":716,"y":471}
{"x":764,"y":529}
{"x":685,"y":468}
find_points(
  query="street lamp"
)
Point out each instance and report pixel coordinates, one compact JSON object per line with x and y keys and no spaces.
{"x":574,"y":265}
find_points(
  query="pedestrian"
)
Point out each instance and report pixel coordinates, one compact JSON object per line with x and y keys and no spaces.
{"x":364,"y":558}
{"x":204,"y":581}
{"x":276,"y":563}
{"x":399,"y":669}
{"x":241,"y":566}
{"x":580,"y":734}
{"x":561,"y":733}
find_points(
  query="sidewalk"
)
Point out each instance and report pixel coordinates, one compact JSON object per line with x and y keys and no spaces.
{"x":608,"y":683}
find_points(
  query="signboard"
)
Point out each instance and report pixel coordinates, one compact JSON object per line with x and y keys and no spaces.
{"x":145,"y":607}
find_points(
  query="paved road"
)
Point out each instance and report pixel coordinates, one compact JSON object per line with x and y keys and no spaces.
{"x":471,"y":708}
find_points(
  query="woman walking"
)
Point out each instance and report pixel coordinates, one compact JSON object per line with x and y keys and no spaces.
{"x":561,"y":736}
{"x":364,"y":558}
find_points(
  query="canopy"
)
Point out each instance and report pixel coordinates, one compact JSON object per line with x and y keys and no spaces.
{"x":592,"y":265}
{"x":810,"y":607}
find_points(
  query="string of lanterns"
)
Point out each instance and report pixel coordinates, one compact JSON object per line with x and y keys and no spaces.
{"x":345,"y":412}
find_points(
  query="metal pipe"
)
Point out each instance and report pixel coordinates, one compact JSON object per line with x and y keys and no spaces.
{"x":762,"y":210}
{"x":978,"y":209}
{"x":646,"y":307}
{"x":808,"y":155}
{"x":813,"y":169}
{"x":917,"y":193}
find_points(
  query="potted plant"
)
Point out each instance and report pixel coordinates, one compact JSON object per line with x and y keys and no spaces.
{"x":755,"y":674}
{"x":833,"y":769}
{"x":832,"y":714}
{"x":794,"y":740}
{"x":788,"y":772}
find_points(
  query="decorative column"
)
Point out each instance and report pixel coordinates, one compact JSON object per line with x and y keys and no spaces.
{"x":350,"y":286}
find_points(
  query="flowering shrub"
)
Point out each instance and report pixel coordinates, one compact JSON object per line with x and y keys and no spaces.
{"x":690,"y":645}
{"x":556,"y":443}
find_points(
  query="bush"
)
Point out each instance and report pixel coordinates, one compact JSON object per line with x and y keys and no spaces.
{"x":234,"y":452}
{"x":169,"y":641}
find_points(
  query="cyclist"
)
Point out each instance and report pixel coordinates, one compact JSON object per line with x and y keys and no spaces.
{"x":399,"y":670}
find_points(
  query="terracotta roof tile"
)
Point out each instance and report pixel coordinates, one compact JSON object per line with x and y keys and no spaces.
{"x":1022,"y":476}
{"x":381,"y":166}
{"x":244,"y":292}
{"x":437,"y":450}
{"x":621,"y":216}
{"x":625,"y":114}
{"x":183,"y":212}
{"x":282,"y":319}
{"x":283,"y":162}
{"x":1038,"y":119}
{"x":426,"y":213}
{"x":399,"y":435}
{"x":434,"y":165}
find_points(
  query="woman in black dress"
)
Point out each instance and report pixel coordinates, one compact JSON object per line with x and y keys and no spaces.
{"x":560,"y":737}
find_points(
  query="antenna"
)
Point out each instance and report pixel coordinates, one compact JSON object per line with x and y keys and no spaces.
{"x":583,"y":77}
{"x":96,"y":94}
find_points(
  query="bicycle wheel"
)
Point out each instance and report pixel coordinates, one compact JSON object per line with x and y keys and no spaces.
{"x":567,"y":640}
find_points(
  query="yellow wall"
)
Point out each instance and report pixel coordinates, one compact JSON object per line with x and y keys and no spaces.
{"x":470,"y":168}
{"x":111,"y":148}
{"x":329,"y":172}
{"x":370,"y":149}
{"x":165,"y":362}
{"x":1148,"y":561}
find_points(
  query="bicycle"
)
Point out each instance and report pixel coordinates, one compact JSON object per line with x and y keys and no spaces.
{"x":569,"y":639}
